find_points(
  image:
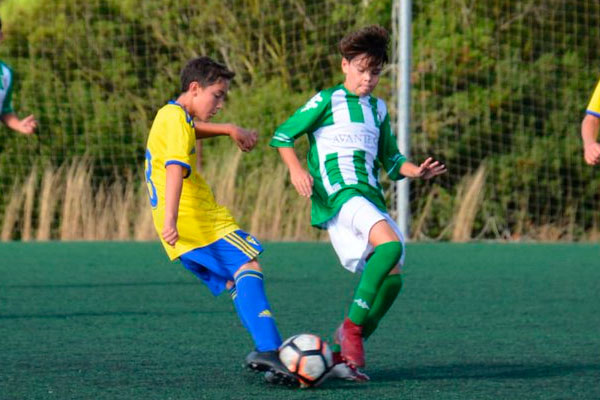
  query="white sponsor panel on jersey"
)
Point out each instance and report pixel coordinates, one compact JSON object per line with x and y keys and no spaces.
{"x":339,"y":107}
{"x":367,"y":111}
{"x":344,"y":138}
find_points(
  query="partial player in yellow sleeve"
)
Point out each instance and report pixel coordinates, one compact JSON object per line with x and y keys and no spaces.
{"x":192,"y":226}
{"x":589,"y":129}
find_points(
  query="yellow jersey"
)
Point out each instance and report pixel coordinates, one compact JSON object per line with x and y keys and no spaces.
{"x":201,"y":221}
{"x":594,"y":105}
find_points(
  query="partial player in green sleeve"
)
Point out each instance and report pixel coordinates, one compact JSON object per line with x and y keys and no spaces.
{"x":388,"y":154}
{"x":350,"y":142}
{"x":26,"y":125}
{"x":303,"y":120}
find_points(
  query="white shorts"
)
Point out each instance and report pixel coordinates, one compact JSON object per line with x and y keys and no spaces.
{"x":349,"y":232}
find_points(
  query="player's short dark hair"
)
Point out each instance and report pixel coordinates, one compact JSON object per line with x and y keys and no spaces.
{"x":205,"y":71}
{"x":371,"y":40}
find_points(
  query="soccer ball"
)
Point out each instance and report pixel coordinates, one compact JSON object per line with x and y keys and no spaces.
{"x":308,"y":357}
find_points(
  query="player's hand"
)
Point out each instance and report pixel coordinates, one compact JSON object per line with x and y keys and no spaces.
{"x":302,"y":181}
{"x":245,"y":139}
{"x":27,"y":125}
{"x":169,"y":232}
{"x":430,"y":168}
{"x":591,"y":153}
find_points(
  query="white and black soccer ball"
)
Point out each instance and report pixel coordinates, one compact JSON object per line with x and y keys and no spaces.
{"x":308,"y":357}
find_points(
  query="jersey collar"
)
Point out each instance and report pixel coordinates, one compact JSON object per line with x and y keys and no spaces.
{"x":188,"y":117}
{"x":349,"y":93}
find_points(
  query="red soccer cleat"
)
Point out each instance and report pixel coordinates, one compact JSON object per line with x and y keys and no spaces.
{"x":349,"y":337}
{"x":343,"y":370}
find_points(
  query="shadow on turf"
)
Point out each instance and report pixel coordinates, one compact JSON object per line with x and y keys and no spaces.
{"x":481,"y":371}
{"x":106,"y":314}
{"x":96,"y":285}
{"x":257,"y":380}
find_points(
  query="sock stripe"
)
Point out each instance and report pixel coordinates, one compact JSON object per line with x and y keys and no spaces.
{"x":249,"y":274}
{"x":233,"y":292}
{"x":242,"y":242}
{"x":251,"y":255}
{"x":243,"y":247}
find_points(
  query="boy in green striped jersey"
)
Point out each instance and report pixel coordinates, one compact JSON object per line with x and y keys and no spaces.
{"x":26,"y":125}
{"x":350,"y":141}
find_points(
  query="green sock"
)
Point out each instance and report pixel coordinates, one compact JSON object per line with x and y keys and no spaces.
{"x":385,"y":298}
{"x":384,"y":258}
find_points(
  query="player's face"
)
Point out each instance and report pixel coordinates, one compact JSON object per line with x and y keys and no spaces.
{"x":361,"y":79}
{"x":208,"y":101}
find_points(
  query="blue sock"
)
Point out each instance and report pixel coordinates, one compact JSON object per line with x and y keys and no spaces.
{"x":234,"y":298}
{"x":255,"y":312}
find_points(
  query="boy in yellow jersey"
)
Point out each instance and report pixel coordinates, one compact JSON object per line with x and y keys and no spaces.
{"x":192,"y":226}
{"x":589,"y":129}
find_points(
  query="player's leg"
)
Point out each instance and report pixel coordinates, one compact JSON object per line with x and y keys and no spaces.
{"x":253,"y":307}
{"x":389,"y":290}
{"x":230,"y":286}
{"x":255,"y":312}
{"x":386,"y":255}
{"x":230,"y":263}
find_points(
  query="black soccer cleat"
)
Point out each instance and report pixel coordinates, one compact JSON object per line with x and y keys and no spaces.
{"x":269,"y":363}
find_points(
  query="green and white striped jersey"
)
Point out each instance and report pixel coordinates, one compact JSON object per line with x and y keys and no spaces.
{"x":6,"y":87}
{"x":350,"y":141}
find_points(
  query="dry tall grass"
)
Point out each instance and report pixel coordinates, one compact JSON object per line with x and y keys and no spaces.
{"x":468,"y":201}
{"x":421,"y":219}
{"x":143,"y":227}
{"x":51,"y":184}
{"x":11,"y":212}
{"x":29,"y":192}
{"x":263,"y":204}
{"x":67,"y":205}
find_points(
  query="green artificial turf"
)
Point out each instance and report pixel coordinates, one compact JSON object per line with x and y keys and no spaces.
{"x":474,"y":321}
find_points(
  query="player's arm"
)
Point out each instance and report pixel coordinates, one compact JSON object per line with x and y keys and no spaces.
{"x":25,"y":126}
{"x":589,"y":135}
{"x":179,"y":143}
{"x":396,"y":165}
{"x":426,"y":170}
{"x":301,"y":122}
{"x":245,"y":139}
{"x":300,"y":178}
{"x":388,"y":154}
{"x":174,"y":183}
{"x":589,"y":129}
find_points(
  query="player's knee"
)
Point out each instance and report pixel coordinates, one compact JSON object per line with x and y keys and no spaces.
{"x":249,"y":266}
{"x":393,"y":250}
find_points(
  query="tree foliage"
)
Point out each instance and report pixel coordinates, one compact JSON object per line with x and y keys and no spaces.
{"x":500,"y":82}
